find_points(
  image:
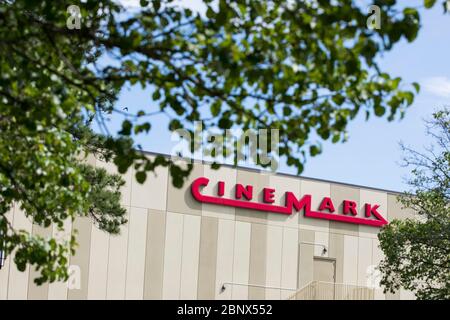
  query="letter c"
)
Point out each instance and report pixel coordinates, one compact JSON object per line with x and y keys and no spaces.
{"x":195,"y":187}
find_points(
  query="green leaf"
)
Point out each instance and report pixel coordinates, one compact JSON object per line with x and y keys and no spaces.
{"x":126,"y":128}
{"x":142,"y":127}
{"x":379,"y":110}
{"x":429,"y":3}
{"x":141,"y":176}
{"x":338,"y":99}
{"x":156,"y":95}
{"x":287,"y":111}
{"x":225,"y":123}
{"x":175,"y":124}
{"x":409,"y":96}
{"x":210,"y":13}
{"x":216,"y":107}
{"x":314,"y":150}
{"x":335,"y":138}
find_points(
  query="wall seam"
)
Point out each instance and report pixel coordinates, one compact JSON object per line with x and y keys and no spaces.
{"x":10,"y":256}
{"x":107,"y":266}
{"x":128,"y":236}
{"x":69,"y":258}
{"x":181,"y":260}
{"x":357,"y":262}
{"x":199,"y":254}
{"x":282,"y":260}
{"x":232,"y":268}
{"x":126,"y":264}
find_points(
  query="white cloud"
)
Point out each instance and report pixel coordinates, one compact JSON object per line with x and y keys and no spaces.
{"x":439,"y":86}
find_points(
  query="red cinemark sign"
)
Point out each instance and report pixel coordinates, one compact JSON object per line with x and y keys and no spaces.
{"x":326,"y":210}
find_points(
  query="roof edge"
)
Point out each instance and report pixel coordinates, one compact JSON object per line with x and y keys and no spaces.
{"x":284,"y":174}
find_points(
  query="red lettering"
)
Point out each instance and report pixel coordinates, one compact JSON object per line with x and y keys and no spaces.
{"x":292,"y":201}
{"x":350,"y":207}
{"x":372,"y":210}
{"x":268,"y":195}
{"x":221,"y":188}
{"x":247,"y":192}
{"x":327,"y":204}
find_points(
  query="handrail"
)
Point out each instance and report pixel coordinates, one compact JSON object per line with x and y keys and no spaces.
{"x":324,"y":290}
{"x":299,"y":290}
{"x":253,"y":285}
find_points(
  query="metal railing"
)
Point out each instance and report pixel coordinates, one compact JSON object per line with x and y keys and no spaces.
{"x":319,"y":290}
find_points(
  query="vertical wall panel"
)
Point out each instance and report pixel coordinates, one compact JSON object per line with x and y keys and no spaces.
{"x":154,"y":258}
{"x":407,"y":295}
{"x":257,"y":276}
{"x":190,"y":257}
{"x":273,"y":261}
{"x":350,"y":260}
{"x":318,"y":190}
{"x":117,"y":263}
{"x":4,"y":278}
{"x":364,"y":260}
{"x":283,"y":184}
{"x":227,"y":175}
{"x":377,"y":256}
{"x":180,"y":200}
{"x":18,"y":281}
{"x":172,"y":256}
{"x":396,"y":210}
{"x":339,"y":193}
{"x":241,"y":260}
{"x":81,"y":258}
{"x":77,"y":286}
{"x":387,"y":296}
{"x":225,"y":245}
{"x":336,"y":251}
{"x":58,"y":290}
{"x":208,"y":258}
{"x":4,"y":272}
{"x":289,"y":267}
{"x":321,"y":239}
{"x":152,"y":193}
{"x":98,"y":264}
{"x":306,"y":256}
{"x":372,"y":197}
{"x":137,"y":235}
{"x":40,"y":292}
{"x":258,"y":180}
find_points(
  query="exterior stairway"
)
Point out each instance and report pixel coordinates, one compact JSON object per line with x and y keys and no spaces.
{"x":319,"y":290}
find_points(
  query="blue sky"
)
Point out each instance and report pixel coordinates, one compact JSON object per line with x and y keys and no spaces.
{"x":372,"y":155}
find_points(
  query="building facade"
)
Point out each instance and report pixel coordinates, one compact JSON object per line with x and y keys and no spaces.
{"x":183,"y":244}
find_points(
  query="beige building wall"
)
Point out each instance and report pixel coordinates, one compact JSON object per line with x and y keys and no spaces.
{"x":174,"y":247}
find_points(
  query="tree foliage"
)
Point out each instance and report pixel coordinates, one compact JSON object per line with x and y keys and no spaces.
{"x":417,"y":251}
{"x":306,"y":68}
